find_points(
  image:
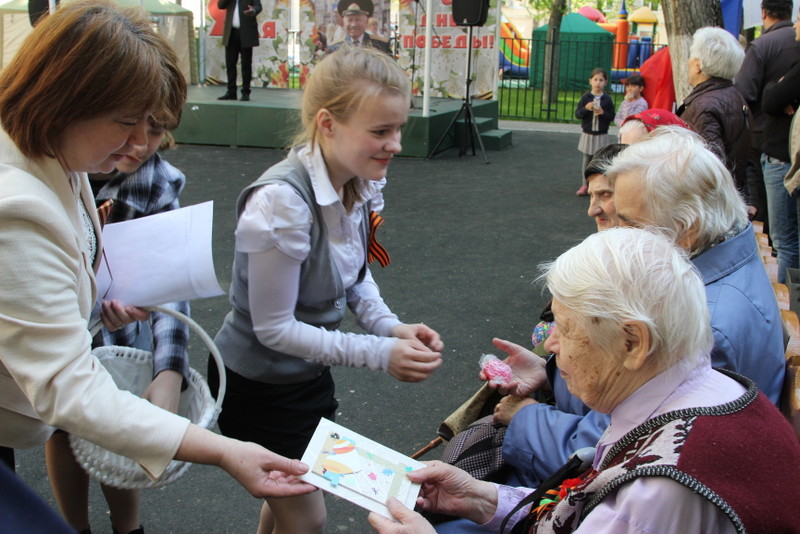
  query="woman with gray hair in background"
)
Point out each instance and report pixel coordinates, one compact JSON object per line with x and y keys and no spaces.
{"x":714,"y":108}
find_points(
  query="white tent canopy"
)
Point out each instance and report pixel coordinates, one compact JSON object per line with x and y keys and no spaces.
{"x":173,"y":22}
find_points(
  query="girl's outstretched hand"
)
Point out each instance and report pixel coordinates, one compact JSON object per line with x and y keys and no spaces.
{"x":424,"y":333}
{"x":412,"y":361}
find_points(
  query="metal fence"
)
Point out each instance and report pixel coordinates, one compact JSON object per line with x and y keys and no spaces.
{"x":519,"y":90}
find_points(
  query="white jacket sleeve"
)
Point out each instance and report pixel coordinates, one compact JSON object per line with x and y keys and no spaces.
{"x":48,"y":373}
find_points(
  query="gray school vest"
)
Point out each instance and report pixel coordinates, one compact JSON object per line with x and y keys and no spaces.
{"x":321,"y":300}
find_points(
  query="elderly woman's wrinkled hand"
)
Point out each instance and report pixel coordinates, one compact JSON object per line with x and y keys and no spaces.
{"x":528,"y":368}
{"x":115,"y":315}
{"x":405,"y":521}
{"x":446,"y":489}
{"x":508,"y":407}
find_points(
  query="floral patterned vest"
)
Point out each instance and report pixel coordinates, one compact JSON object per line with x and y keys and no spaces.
{"x":741,"y":456}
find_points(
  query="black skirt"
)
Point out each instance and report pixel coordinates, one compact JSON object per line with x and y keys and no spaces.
{"x":280,"y":417}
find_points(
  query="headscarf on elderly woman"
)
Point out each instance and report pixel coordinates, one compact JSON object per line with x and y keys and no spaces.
{"x":688,"y":447}
{"x":635,"y":127}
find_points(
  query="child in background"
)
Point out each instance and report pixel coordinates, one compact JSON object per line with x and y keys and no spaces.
{"x":143,"y":184}
{"x":633,"y":102}
{"x":596,"y":111}
{"x":301,"y":259}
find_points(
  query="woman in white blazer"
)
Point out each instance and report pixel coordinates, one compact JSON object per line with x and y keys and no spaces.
{"x":74,"y":99}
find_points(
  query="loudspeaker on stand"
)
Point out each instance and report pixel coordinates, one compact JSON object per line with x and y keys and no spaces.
{"x":470,"y":12}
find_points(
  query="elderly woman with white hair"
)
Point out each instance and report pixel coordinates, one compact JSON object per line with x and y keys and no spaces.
{"x":714,"y":108}
{"x":689,"y":448}
{"x":673,"y":182}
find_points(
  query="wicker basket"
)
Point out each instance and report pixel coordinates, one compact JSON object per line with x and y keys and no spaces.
{"x":132,"y":370}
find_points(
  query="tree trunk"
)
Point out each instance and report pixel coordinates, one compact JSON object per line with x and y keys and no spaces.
{"x":551,"y":54}
{"x":683,"y":18}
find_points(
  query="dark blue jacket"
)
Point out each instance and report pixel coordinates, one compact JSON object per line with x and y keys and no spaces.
{"x":586,"y":115}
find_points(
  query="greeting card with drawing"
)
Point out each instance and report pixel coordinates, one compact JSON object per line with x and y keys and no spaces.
{"x":358,"y":469}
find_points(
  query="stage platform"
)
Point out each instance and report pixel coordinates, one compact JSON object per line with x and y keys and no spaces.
{"x":270,"y":120}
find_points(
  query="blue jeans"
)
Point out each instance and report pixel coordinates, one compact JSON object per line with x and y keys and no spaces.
{"x":782,"y":209}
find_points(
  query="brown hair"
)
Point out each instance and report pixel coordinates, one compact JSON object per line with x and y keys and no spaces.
{"x":90,"y":58}
{"x":341,"y":83}
{"x":597,"y":71}
{"x":635,"y":79}
{"x":168,"y":143}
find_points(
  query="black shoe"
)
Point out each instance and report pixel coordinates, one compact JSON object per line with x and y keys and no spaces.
{"x":228,"y":96}
{"x":245,"y":97}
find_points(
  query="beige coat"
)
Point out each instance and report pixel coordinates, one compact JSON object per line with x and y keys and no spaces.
{"x":48,"y":377}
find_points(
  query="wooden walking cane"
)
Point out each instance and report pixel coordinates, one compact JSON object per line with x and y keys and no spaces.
{"x":429,"y":447}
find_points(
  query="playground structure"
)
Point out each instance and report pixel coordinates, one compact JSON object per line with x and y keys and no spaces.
{"x":633,"y":40}
{"x":632,"y":43}
{"x":582,"y":46}
{"x":514,"y":51}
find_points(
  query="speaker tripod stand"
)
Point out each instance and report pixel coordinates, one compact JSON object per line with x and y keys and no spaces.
{"x":471,"y":132}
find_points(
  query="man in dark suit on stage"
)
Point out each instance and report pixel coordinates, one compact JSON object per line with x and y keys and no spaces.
{"x":354,"y":15}
{"x":241,"y":35}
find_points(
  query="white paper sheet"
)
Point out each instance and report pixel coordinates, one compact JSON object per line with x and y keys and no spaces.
{"x":160,"y":258}
{"x":358,"y":469}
